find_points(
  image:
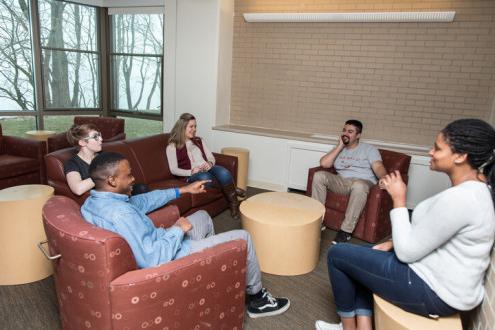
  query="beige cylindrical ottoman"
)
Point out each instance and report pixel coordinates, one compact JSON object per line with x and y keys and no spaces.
{"x":285,"y":229}
{"x":21,"y":229}
{"x":242,"y":164}
{"x":391,"y":317}
{"x":40,"y":135}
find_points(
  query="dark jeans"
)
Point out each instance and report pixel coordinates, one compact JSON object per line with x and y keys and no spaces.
{"x":215,"y":174}
{"x":356,"y":272}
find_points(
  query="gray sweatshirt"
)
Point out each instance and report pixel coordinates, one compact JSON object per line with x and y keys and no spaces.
{"x":448,"y":242}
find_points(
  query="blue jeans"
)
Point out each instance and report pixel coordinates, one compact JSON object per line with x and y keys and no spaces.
{"x":358,"y":271}
{"x":215,"y":174}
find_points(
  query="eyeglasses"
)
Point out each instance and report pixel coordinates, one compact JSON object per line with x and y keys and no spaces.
{"x":95,"y":136}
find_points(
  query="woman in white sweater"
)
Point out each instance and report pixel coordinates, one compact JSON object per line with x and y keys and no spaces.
{"x":435,"y":263}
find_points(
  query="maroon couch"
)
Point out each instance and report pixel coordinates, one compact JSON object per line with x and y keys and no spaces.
{"x":100,"y":287}
{"x":21,"y":161}
{"x":149,"y":166}
{"x":374,"y":222}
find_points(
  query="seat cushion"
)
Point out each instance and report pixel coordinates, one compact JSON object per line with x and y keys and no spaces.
{"x":11,"y":166}
{"x":184,"y":202}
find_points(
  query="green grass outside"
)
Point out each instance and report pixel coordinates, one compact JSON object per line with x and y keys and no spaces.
{"x":18,"y":126}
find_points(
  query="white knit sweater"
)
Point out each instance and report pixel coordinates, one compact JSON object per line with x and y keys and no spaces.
{"x":448,"y":242}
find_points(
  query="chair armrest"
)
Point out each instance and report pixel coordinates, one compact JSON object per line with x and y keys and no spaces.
{"x":22,"y":147}
{"x":165,"y":216}
{"x":227,"y":161}
{"x":311,"y":173}
{"x":211,"y":282}
{"x":57,"y":142}
{"x":118,"y":137}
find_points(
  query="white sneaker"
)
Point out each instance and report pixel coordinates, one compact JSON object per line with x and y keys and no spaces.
{"x":322,"y":325}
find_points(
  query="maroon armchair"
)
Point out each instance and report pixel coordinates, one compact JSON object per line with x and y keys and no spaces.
{"x":374,"y":221}
{"x":100,"y":287}
{"x":21,"y":161}
{"x":112,"y":129}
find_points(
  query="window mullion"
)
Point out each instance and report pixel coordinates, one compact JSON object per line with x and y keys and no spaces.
{"x":36,"y":62}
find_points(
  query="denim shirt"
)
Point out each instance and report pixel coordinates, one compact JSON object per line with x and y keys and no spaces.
{"x":126,"y":216}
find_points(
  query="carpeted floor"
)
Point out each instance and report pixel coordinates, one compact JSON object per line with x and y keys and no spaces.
{"x":34,"y":306}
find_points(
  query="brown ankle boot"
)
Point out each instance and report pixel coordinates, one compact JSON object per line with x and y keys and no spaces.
{"x":231,"y":195}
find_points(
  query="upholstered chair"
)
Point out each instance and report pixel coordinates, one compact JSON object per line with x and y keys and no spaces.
{"x":99,"y":285}
{"x":112,"y":129}
{"x":374,"y":221}
{"x":21,"y":161}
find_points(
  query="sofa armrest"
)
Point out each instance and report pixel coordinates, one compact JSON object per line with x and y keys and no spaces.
{"x":210,"y":283}
{"x":227,"y":161}
{"x":165,"y":216}
{"x":311,"y":173}
{"x":22,"y":147}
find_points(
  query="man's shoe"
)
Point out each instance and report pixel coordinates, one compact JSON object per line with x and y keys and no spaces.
{"x":267,"y":305}
{"x":342,"y":237}
{"x":321,"y":325}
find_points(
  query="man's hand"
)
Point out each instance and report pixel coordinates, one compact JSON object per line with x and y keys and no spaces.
{"x":385,"y":246}
{"x":195,"y":187}
{"x":396,"y":188}
{"x":184,"y":224}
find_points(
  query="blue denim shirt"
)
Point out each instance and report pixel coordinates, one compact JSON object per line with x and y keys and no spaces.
{"x":126,"y":216}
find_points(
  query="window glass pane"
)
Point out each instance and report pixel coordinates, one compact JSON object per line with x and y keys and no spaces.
{"x":58,"y":123}
{"x":136,"y":83}
{"x":67,"y":25}
{"x":141,"y":127}
{"x":71,"y":79}
{"x":18,"y":126}
{"x":137,"y":34}
{"x":16,"y":83}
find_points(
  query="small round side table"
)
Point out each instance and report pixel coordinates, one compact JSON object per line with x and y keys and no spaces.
{"x":21,"y":229}
{"x":40,"y":135}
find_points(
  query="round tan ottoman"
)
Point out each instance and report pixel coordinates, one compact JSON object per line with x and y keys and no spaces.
{"x":285,"y":229}
{"x":242,"y":164}
{"x":40,"y":135}
{"x":390,"y":317}
{"x":21,"y":229}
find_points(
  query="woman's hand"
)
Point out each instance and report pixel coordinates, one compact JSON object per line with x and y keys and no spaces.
{"x":385,"y":246}
{"x":196,"y":169}
{"x":196,"y":187}
{"x":206,"y":166}
{"x":396,"y":188}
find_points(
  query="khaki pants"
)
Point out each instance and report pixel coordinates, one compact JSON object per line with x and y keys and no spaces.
{"x":356,"y":189}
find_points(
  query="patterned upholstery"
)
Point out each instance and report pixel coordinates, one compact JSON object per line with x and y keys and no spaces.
{"x":374,"y":222}
{"x":112,"y":129}
{"x":21,"y":161}
{"x":99,"y":286}
{"x":150,"y":166}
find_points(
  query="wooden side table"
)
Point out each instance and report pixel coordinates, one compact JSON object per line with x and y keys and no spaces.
{"x":242,"y":155}
{"x":40,"y":135}
{"x":286,"y":231}
{"x":21,"y":229}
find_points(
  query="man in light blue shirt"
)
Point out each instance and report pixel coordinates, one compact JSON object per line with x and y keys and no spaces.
{"x":110,"y":206}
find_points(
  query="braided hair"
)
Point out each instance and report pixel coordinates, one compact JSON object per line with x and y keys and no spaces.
{"x":476,"y":138}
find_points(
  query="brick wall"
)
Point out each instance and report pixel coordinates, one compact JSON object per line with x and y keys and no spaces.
{"x":483,"y":317}
{"x":405,"y":81}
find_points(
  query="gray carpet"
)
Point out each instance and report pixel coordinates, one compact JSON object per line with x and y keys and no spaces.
{"x":34,"y":306}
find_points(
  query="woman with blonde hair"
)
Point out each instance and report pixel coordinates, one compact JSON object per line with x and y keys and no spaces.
{"x":189,"y":157}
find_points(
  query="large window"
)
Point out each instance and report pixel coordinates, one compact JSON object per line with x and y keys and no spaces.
{"x":59,"y":59}
{"x":16,"y":69}
{"x":70,"y":55}
{"x":136,"y":62}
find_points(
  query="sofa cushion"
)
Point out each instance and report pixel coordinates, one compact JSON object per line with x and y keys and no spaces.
{"x":184,"y":202}
{"x":123,"y":149}
{"x":150,"y":151}
{"x":15,"y":165}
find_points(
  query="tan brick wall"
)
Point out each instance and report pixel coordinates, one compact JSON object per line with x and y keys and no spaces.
{"x":405,"y":81}
{"x":484,"y":316}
